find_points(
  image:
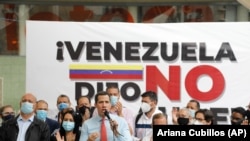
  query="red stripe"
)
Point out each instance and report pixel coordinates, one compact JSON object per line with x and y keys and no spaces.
{"x":104,"y":76}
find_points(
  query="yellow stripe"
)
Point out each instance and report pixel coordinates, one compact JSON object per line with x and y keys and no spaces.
{"x":105,"y":67}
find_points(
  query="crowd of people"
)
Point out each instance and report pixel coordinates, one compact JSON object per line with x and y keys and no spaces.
{"x":105,"y":120}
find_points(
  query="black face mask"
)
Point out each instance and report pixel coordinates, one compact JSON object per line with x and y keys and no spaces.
{"x":7,"y":117}
{"x":236,"y":123}
{"x":83,"y":109}
{"x":183,"y":121}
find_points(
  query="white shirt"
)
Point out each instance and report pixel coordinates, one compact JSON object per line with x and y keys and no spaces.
{"x":145,"y":123}
{"x":23,"y":126}
{"x":127,"y":114}
{"x":148,"y":138}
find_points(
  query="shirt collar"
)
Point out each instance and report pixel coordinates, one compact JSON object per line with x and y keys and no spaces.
{"x":100,"y":118}
{"x":31,"y":119}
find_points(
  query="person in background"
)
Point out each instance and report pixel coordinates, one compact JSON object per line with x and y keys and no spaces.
{"x":248,"y":112}
{"x":63,"y":102}
{"x":69,"y":127}
{"x":238,"y":116}
{"x":84,"y":107}
{"x":184,"y":117}
{"x":117,"y":107}
{"x":204,"y":117}
{"x":42,"y":112}
{"x":192,"y":104}
{"x":25,"y":126}
{"x":116,"y":127}
{"x":158,"y":119}
{"x":7,"y":112}
{"x":149,"y":108}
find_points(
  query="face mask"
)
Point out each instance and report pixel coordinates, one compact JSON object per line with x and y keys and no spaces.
{"x":145,"y":107}
{"x":183,"y":121}
{"x":82,"y":110}
{"x":192,"y":113}
{"x":196,"y":122}
{"x":237,"y":122}
{"x":41,"y":114}
{"x":68,"y":126}
{"x":113,"y":100}
{"x":27,"y":107}
{"x":8,"y":117}
{"x":62,"y":106}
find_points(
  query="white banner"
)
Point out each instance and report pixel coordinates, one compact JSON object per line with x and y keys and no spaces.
{"x":208,"y":62}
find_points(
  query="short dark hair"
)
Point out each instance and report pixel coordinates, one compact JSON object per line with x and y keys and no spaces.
{"x":112,"y":86}
{"x":195,"y":101}
{"x":100,"y":93}
{"x":151,"y":94}
{"x":63,"y":95}
{"x":239,"y":110}
{"x":83,"y":96}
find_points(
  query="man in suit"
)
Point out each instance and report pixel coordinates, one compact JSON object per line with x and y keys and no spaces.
{"x":25,"y":126}
{"x":42,"y":112}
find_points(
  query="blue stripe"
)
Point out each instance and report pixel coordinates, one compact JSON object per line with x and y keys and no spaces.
{"x":143,"y":126}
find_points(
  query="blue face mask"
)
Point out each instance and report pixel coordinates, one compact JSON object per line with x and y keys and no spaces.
{"x":113,"y":100}
{"x":68,"y":125}
{"x":62,"y":106}
{"x":41,"y":114}
{"x":192,"y":113}
{"x":27,"y":107}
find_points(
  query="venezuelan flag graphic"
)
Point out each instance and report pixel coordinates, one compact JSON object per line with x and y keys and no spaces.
{"x":79,"y":71}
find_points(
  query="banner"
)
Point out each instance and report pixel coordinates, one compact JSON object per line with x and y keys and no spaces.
{"x":208,"y":62}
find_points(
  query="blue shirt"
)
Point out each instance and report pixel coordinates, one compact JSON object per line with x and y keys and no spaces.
{"x":23,"y":126}
{"x":94,"y":125}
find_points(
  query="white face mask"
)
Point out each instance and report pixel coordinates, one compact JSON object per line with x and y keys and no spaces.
{"x":196,"y":122}
{"x":145,"y":107}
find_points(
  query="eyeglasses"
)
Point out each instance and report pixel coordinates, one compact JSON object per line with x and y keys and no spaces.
{"x":8,"y":113}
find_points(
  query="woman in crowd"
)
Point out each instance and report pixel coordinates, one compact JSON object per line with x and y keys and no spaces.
{"x":204,"y":117}
{"x":69,"y":128}
{"x":7,"y":112}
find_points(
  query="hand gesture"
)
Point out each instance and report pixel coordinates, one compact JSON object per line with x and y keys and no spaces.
{"x":119,"y":108}
{"x":58,"y":136}
{"x":93,"y":136}
{"x":114,"y":127}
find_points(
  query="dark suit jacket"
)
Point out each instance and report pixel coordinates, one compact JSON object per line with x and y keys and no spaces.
{"x":37,"y":131}
{"x":53,"y":125}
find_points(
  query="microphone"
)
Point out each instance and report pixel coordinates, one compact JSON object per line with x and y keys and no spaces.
{"x":106,"y":113}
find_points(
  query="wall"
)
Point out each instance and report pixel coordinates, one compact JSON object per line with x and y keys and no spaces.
{"x":12,"y":73}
